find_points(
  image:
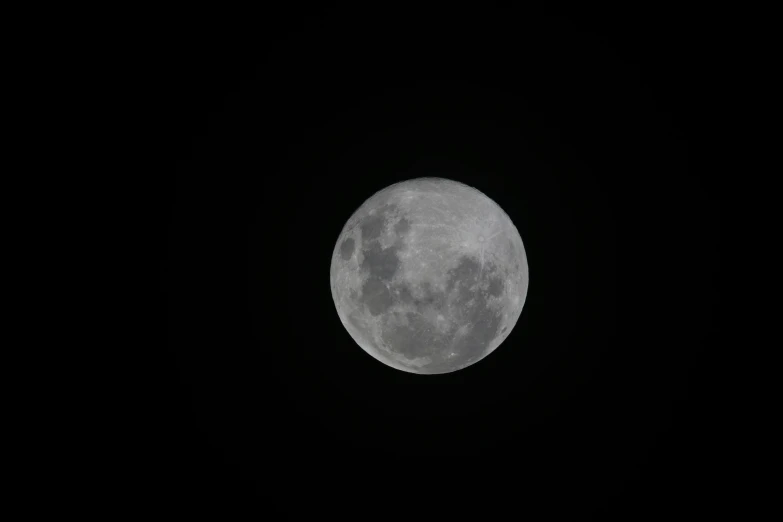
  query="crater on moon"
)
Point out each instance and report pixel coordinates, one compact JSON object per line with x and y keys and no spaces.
{"x":429,"y":276}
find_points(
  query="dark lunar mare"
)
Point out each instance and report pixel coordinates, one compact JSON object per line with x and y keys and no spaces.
{"x":376,"y":295}
{"x":380,"y":264}
{"x":492,"y":280}
{"x":402,"y":227}
{"x":346,"y":248}
{"x":495,"y":288}
{"x":373,"y":225}
{"x":465,"y":273}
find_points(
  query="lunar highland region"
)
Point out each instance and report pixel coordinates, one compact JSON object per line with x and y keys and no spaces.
{"x":429,"y":276}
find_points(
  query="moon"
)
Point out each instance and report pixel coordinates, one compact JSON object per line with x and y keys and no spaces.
{"x":429,"y":276}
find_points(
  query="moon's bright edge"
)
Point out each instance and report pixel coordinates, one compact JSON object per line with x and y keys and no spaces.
{"x":429,"y":276}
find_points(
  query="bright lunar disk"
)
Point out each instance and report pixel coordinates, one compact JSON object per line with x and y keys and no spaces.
{"x":429,"y":276}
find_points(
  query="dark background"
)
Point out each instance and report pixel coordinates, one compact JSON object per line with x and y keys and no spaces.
{"x":591,"y":132}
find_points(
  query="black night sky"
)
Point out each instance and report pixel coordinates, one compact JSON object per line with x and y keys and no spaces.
{"x":588,"y":132}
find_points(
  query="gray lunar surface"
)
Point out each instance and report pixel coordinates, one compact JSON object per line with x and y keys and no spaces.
{"x":429,"y":276}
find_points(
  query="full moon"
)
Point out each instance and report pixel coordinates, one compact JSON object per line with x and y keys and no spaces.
{"x":429,"y":276}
